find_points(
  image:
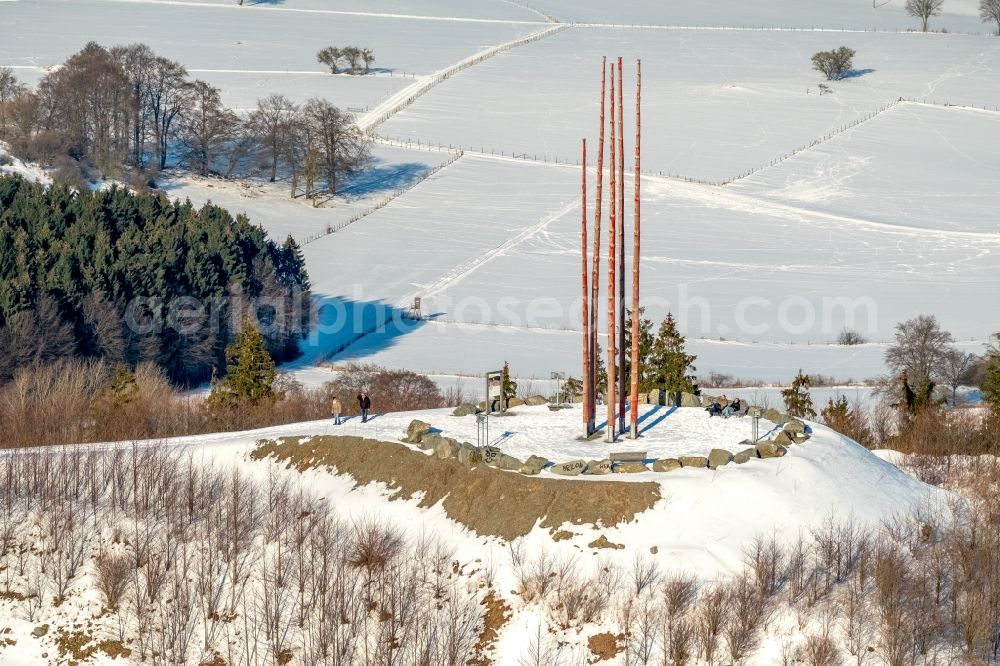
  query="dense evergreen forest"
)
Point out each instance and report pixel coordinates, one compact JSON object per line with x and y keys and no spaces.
{"x":132,"y":278}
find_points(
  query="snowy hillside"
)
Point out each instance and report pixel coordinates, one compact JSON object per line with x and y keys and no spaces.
{"x":695,"y":522}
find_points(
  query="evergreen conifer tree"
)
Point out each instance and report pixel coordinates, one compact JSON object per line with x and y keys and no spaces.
{"x":798,"y":402}
{"x":509,"y":386}
{"x":250,"y":370}
{"x":991,"y":381}
{"x":647,"y":373}
{"x":671,"y":364}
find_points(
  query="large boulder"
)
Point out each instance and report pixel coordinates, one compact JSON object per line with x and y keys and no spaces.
{"x":430,"y":440}
{"x":630,"y":468}
{"x":690,"y":400}
{"x":800,"y":437}
{"x":794,"y":426}
{"x":666,"y":465}
{"x":536,"y":401}
{"x":782,"y":437}
{"x":469,"y":454}
{"x":656,"y":397}
{"x":508,"y":463}
{"x":416,"y":430}
{"x":534,"y":465}
{"x":491,"y":454}
{"x":744,"y":456}
{"x":515,"y":402}
{"x":772,"y":415}
{"x":770,"y":450}
{"x":571,"y":468}
{"x":465,"y":409}
{"x":598,"y":467}
{"x":693,"y":461}
{"x":719,"y":458}
{"x":446,"y":448}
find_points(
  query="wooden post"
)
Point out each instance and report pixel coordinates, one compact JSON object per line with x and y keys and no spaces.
{"x":612,"y":237}
{"x":595,"y":286}
{"x":636,"y":228}
{"x":584,"y":248}
{"x":621,"y":252}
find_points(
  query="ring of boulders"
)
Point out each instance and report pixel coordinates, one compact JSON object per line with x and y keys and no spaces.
{"x":792,"y":431}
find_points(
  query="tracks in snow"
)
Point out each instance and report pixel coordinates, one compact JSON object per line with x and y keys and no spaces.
{"x":335,"y":12}
{"x":414,"y":91}
{"x":478,"y":262}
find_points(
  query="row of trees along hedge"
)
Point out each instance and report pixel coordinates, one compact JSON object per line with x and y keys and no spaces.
{"x":125,"y":110}
{"x":78,"y":270}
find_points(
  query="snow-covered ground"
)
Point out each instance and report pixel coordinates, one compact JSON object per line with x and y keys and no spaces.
{"x":269,"y":205}
{"x":222,"y":36}
{"x":829,"y":14}
{"x":701,"y":525}
{"x":888,"y":219}
{"x":916,"y":165}
{"x":716,"y":103}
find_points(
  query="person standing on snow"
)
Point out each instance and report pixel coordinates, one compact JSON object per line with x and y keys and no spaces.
{"x":365,"y":403}
{"x":335,"y":410}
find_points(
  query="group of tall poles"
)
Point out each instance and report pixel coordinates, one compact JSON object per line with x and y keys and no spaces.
{"x":616,"y":388}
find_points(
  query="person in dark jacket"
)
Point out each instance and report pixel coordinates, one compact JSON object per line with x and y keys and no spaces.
{"x":365,"y":403}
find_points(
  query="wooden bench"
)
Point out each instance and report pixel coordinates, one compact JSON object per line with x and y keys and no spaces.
{"x":628,"y":456}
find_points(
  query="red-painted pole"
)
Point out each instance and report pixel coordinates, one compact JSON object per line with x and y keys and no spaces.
{"x":612,"y":237}
{"x":636,"y":230}
{"x":595,"y":286}
{"x":621,"y":252}
{"x":587,"y":386}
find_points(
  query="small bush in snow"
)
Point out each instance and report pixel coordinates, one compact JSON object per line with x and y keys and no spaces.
{"x":834,"y":64}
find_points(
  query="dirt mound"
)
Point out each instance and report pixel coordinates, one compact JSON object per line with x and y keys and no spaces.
{"x":486,"y":500}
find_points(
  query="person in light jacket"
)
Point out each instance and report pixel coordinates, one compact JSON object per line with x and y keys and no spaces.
{"x":335,"y":410}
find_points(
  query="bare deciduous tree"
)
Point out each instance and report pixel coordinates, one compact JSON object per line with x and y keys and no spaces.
{"x":89,"y":101}
{"x":919,"y":348}
{"x":274,"y":121}
{"x":207,"y":127}
{"x":924,"y":10}
{"x":835,"y":64}
{"x":341,"y":146}
{"x":957,"y":368}
{"x":989,"y":10}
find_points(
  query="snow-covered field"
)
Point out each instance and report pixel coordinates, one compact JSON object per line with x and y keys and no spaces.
{"x":960,"y":15}
{"x":716,"y":103}
{"x":268,"y":204}
{"x":916,"y":165}
{"x":875,"y":224}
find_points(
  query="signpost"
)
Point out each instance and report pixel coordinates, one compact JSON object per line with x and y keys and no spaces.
{"x":755,"y":416}
{"x":494,"y":390}
{"x":559,"y":377}
{"x":483,"y":431}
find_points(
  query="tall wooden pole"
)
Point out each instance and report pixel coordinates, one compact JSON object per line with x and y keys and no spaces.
{"x":595,"y":286}
{"x":584,"y":248}
{"x":636,"y":227}
{"x":621,"y":252}
{"x":612,"y":238}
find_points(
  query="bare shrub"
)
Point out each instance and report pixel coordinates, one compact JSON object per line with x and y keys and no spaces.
{"x":113,"y":571}
{"x":819,"y":650}
{"x":678,"y":594}
{"x":374,"y":545}
{"x":834,"y":65}
{"x":748,"y":608}
{"x":849,"y":337}
{"x":766,"y":560}
{"x":710,"y":614}
{"x":645,"y":572}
